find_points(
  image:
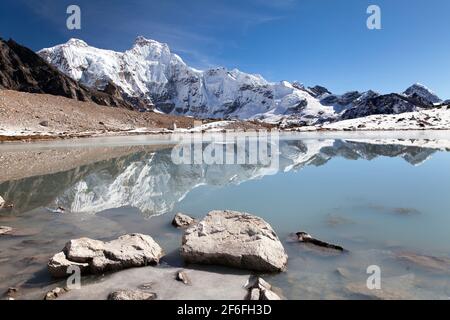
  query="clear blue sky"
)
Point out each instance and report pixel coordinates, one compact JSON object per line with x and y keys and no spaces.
{"x":313,"y":41}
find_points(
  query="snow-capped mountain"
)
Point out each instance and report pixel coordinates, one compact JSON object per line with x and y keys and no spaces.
{"x":423,"y":94}
{"x":149,"y":71}
{"x":23,"y":70}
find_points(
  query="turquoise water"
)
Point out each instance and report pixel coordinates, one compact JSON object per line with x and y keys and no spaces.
{"x":365,"y":195}
{"x":378,"y":199}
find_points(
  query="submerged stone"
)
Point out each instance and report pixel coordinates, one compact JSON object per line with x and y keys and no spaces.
{"x":182,"y":221}
{"x":132,"y":295}
{"x":205,"y":285}
{"x":307,"y":238}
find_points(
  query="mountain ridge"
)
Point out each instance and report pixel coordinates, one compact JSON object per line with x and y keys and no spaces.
{"x":149,"y":71}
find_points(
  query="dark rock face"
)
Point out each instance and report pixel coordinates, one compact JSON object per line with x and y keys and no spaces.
{"x":307,"y":238}
{"x":298,"y":108}
{"x":342,"y":100}
{"x":23,"y":70}
{"x":318,"y":91}
{"x":422,"y":95}
{"x":421,"y":101}
{"x":385,"y":104}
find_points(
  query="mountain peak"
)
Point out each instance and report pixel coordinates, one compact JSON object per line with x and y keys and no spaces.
{"x":77,"y":42}
{"x":21,"y":69}
{"x":421,"y":91}
{"x":141,"y":41}
{"x":418,"y":86}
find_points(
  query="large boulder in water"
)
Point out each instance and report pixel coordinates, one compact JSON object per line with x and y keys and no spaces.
{"x":94,"y":256}
{"x":234,"y":239}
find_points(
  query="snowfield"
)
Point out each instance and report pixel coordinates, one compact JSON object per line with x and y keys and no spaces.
{"x":435,"y":119}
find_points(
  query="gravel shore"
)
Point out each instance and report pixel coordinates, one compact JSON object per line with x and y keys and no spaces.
{"x":28,"y":116}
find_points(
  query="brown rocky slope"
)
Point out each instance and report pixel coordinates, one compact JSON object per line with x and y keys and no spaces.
{"x":28,"y":114}
{"x":23,"y":70}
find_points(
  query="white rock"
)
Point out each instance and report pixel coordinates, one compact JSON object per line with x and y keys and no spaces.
{"x":94,"y":256}
{"x":2,"y":202}
{"x":259,"y":289}
{"x":58,"y":264}
{"x":5,"y":230}
{"x":234,"y":239}
{"x":84,"y":249}
{"x":255,"y":294}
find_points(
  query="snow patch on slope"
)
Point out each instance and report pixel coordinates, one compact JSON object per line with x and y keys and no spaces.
{"x":434,"y":119}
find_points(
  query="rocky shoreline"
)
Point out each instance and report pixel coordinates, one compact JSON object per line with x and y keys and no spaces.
{"x":32,"y":117}
{"x":223,"y":238}
{"x":226,"y":255}
{"x":26,"y":117}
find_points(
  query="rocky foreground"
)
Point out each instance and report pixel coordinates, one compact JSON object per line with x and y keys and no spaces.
{"x":96,"y":257}
{"x":151,"y":283}
{"x":222,"y":238}
{"x":240,"y":246}
{"x":40,"y":115}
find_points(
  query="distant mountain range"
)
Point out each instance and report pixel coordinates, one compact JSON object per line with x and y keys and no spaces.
{"x":150,"y":77}
{"x":150,"y":72}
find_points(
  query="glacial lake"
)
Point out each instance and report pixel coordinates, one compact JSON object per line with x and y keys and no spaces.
{"x":384,"y":197}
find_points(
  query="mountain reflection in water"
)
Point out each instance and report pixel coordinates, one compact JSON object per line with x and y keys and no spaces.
{"x":150,"y":181}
